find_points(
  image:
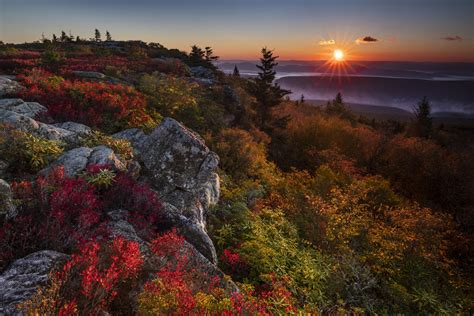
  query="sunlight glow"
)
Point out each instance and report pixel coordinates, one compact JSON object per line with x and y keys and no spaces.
{"x":338,"y":54}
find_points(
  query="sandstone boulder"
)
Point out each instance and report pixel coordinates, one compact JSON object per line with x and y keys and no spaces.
{"x":8,"y":86}
{"x":29,"y":125}
{"x":89,"y":74}
{"x":7,"y":207}
{"x":29,"y":109}
{"x":23,"y":277}
{"x":182,"y":170}
{"x":76,"y":160}
{"x":73,"y":127}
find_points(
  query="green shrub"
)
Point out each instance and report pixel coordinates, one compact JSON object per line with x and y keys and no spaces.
{"x":121,"y":147}
{"x":26,"y":152}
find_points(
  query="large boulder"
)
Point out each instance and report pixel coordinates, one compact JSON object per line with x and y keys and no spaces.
{"x":29,"y":109}
{"x":80,"y":129}
{"x":7,"y":207}
{"x":23,"y":277}
{"x":8,"y":86}
{"x":182,"y":169}
{"x":21,"y":115}
{"x":78,"y":159}
{"x":29,"y":125}
{"x":89,"y":74}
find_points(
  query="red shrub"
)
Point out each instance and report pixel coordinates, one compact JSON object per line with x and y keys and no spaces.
{"x":96,"y":274}
{"x":142,"y":203}
{"x":17,"y":62}
{"x":110,"y":107}
{"x":167,"y":244}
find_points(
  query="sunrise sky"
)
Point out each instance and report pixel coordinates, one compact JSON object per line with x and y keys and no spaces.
{"x":409,"y":30}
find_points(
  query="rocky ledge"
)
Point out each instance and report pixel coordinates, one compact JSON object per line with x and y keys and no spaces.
{"x":172,"y":159}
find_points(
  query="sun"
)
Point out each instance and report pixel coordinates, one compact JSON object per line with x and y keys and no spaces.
{"x":338,"y":55}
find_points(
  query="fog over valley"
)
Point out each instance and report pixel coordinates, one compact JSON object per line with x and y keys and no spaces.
{"x":449,"y":86}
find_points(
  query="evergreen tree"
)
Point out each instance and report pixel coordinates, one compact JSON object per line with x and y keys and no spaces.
{"x":196,"y":56}
{"x":78,"y":39}
{"x":338,"y":99}
{"x":97,"y":35}
{"x":236,"y":72}
{"x":108,"y":37}
{"x":338,"y":107}
{"x":302,"y":98}
{"x":424,"y":121}
{"x":55,"y":38}
{"x":200,"y":57}
{"x":63,"y":37}
{"x":267,"y":94}
{"x":209,"y":55}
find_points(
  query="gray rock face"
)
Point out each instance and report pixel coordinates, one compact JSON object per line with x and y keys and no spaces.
{"x":135,"y":136}
{"x":8,"y":86}
{"x":7,"y":207}
{"x":22,"y":279}
{"x":20,"y":114}
{"x":119,"y":226}
{"x":76,"y":160}
{"x":29,"y":109}
{"x":73,"y":127}
{"x":183,"y":171}
{"x":102,"y":155}
{"x":29,"y":125}
{"x":89,"y":74}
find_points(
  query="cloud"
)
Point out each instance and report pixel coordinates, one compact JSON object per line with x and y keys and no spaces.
{"x":452,"y":38}
{"x":328,"y":42}
{"x":366,"y":40}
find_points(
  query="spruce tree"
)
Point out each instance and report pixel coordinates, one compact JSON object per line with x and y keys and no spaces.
{"x":236,"y":72}
{"x":108,"y":37}
{"x":196,"y":56}
{"x":209,"y":56}
{"x":424,"y":121}
{"x":63,"y":37}
{"x":267,"y":94}
{"x":97,"y":35}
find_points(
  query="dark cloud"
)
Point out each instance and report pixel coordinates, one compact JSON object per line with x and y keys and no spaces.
{"x":452,"y":38}
{"x":366,"y":39}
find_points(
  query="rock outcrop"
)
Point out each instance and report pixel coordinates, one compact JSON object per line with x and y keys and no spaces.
{"x":8,"y":86}
{"x":182,"y":169}
{"x":23,"y":277}
{"x":77,"y":128}
{"x":20,"y":117}
{"x":7,"y":207}
{"x":29,"y":109}
{"x":76,"y":160}
{"x":89,"y":74}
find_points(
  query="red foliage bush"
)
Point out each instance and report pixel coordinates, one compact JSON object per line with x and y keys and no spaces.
{"x":60,"y":213}
{"x":17,"y":62}
{"x":110,"y":107}
{"x":171,"y":292}
{"x":90,"y":62}
{"x":142,"y":203}
{"x":93,"y":277}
